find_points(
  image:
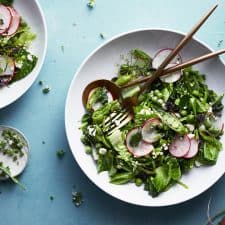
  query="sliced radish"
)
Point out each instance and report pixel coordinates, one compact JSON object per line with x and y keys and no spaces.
{"x":193,"y":149}
{"x":180,"y":146}
{"x":160,"y":57}
{"x":142,"y":147}
{"x":15,"y":22}
{"x":149,"y":132}
{"x":5,"y":18}
{"x":172,"y":77}
{"x":7,"y":67}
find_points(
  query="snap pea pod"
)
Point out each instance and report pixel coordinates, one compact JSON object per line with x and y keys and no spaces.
{"x":172,"y":121}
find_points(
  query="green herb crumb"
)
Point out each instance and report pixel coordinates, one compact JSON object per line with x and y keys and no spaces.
{"x":77,"y":198}
{"x":220,"y":42}
{"x":40,"y":82}
{"x":60,"y":153}
{"x":62,"y":49}
{"x":46,"y":90}
{"x":6,"y":2}
{"x":102,"y":35}
{"x":91,"y":4}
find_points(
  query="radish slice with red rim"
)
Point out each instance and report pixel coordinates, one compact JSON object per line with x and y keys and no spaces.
{"x":15,"y":22}
{"x":193,"y":149}
{"x":171,"y":78}
{"x":149,"y":130}
{"x":139,"y":148}
{"x":180,"y":146}
{"x":5,"y":18}
{"x":160,"y":57}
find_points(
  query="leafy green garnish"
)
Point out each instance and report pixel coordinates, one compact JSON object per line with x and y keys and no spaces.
{"x":99,"y":95}
{"x":100,"y":114}
{"x":122,"y":178}
{"x":6,"y":171}
{"x":6,"y":2}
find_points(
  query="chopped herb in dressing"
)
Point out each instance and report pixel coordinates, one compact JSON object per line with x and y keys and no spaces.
{"x":11,"y":144}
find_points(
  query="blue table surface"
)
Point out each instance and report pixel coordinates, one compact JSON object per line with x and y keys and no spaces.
{"x":41,"y":117}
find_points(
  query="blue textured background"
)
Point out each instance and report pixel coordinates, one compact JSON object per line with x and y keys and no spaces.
{"x":41,"y":117}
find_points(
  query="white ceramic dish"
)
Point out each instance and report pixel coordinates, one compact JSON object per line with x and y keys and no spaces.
{"x":101,"y":64}
{"x":31,"y":12}
{"x":16,"y":167}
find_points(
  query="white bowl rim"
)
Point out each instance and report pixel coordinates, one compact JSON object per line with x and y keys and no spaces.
{"x":41,"y":61}
{"x":71,"y":86}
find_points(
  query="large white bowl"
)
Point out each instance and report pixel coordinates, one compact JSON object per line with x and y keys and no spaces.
{"x":31,"y":12}
{"x":101,"y":63}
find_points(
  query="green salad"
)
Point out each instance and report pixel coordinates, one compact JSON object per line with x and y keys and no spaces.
{"x":176,"y":126}
{"x":16,"y":61}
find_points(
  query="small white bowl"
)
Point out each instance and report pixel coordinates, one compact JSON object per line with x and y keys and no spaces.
{"x":18,"y":166}
{"x":101,"y":63}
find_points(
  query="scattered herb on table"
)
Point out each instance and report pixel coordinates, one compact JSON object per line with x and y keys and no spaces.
{"x":60,"y":153}
{"x":46,"y":90}
{"x":51,"y":197}
{"x":40,"y":82}
{"x":91,"y":4}
{"x":220,"y":42}
{"x":102,"y":35}
{"x":77,"y":198}
{"x":62,"y":48}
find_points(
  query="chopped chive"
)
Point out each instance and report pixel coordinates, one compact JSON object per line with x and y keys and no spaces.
{"x":102,"y":35}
